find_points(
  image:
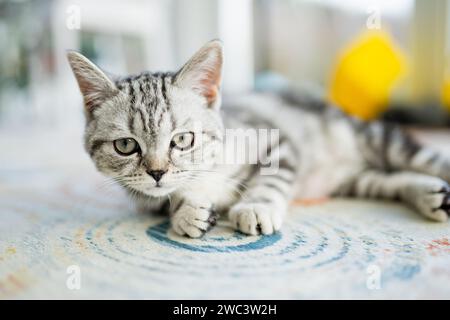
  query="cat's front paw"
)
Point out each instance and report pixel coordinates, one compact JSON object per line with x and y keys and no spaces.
{"x":193,"y":221}
{"x":255,"y":218}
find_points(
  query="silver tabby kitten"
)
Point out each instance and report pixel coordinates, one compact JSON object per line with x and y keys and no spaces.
{"x":162,"y":137}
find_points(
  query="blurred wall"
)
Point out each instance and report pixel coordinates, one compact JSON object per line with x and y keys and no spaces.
{"x":298,"y":39}
{"x":302,"y":38}
{"x":122,"y":37}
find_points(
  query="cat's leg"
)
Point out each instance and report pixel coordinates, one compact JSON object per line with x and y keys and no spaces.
{"x":427,"y":194}
{"x":192,"y":215}
{"x":429,"y":161}
{"x":263,"y":207}
{"x":264,"y":204}
{"x":390,"y":148}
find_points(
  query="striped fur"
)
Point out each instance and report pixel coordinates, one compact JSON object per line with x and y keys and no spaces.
{"x":320,"y":151}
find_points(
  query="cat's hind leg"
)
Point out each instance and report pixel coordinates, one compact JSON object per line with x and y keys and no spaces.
{"x":389,"y":148}
{"x":427,"y":194}
{"x":429,"y":161}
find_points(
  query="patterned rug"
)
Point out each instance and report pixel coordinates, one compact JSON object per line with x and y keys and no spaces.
{"x":65,"y":233}
{"x":337,"y":249}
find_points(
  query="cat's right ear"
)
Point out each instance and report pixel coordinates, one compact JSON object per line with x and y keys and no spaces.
{"x":94,"y":85}
{"x":203,"y":73}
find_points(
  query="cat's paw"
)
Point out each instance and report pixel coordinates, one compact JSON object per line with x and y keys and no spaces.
{"x":434,"y":202}
{"x":193,"y":221}
{"x":255,"y":218}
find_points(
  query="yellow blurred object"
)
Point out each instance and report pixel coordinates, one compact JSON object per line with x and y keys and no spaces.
{"x":446,"y":94}
{"x":365,"y":75}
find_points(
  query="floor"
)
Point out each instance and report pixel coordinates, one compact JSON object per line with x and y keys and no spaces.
{"x":65,"y":233}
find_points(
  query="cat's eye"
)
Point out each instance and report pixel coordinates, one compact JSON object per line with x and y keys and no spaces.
{"x":126,"y":146}
{"x":183,"y":141}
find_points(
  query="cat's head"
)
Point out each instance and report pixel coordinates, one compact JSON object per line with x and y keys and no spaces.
{"x":154,"y":132}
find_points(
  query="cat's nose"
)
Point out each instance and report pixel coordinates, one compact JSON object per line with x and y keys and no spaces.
{"x":156,"y":174}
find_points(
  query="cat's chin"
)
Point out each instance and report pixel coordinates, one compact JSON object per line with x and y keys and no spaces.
{"x":155,"y":192}
{"x":159,"y":191}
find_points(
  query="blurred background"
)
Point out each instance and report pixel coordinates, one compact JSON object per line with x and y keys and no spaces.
{"x":374,"y":58}
{"x":388,"y":55}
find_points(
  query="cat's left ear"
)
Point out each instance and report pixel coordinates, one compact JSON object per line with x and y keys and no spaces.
{"x":203,"y":73}
{"x":94,"y":84}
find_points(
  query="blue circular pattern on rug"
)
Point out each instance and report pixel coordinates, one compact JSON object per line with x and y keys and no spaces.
{"x":159,"y":233}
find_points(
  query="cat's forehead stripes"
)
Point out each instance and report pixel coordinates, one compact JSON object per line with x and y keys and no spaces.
{"x":148,"y":100}
{"x":144,"y":119}
{"x":146,"y":88}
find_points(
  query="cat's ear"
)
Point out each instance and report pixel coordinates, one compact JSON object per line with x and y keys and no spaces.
{"x":94,"y":85}
{"x":203,"y":72}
